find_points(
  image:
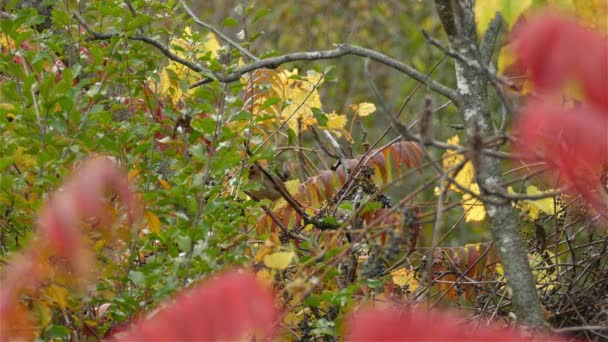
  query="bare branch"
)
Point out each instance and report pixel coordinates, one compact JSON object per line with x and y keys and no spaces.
{"x":138,"y":37}
{"x":489,"y":39}
{"x":274,"y":62}
{"x":340,"y":51}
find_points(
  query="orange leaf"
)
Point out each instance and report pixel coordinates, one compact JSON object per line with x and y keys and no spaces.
{"x":153,"y":222}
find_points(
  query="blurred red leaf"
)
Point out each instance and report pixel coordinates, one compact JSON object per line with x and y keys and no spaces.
{"x":228,"y":307}
{"x":400,"y":325}
{"x":556,"y":50}
{"x":58,"y":245}
{"x":574,"y":141}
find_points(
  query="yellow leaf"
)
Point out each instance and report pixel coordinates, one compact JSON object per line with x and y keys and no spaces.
{"x":466,"y":174}
{"x":24,"y":160}
{"x":292,"y":186}
{"x":58,"y":295}
{"x":336,"y":121}
{"x":465,"y":178}
{"x":164,"y":184}
{"x":99,"y":245}
{"x":174,"y":73}
{"x":268,"y":247}
{"x":405,"y":277}
{"x":265,"y":277}
{"x":363,"y":108}
{"x":7,"y":44}
{"x":43,"y":313}
{"x":474,"y":211}
{"x":7,"y":106}
{"x":211,"y":44}
{"x":593,"y":14}
{"x":473,"y":208}
{"x":278,"y":260}
{"x":452,"y":158}
{"x":132,"y":174}
{"x":297,"y":287}
{"x":153,"y":222}
{"x":543,"y":269}
{"x":485,"y":10}
{"x":506,"y":58}
{"x":532,"y":208}
{"x":545,"y":274}
{"x":298,"y":95}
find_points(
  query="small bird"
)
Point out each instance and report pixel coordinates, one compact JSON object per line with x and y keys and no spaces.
{"x":269,"y":188}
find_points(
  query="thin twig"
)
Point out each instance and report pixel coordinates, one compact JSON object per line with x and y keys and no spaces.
{"x":219,"y":33}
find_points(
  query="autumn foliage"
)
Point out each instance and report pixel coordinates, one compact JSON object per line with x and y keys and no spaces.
{"x":230,"y":306}
{"x":59,"y":251}
{"x":340,"y":253}
{"x":573,"y":139}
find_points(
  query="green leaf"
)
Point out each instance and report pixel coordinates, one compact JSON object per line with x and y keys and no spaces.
{"x":313,"y":301}
{"x":6,"y":162}
{"x":183,"y":242}
{"x":6,"y":182}
{"x":330,"y":220}
{"x":58,"y":332}
{"x":204,"y":125}
{"x":230,"y":22}
{"x":323,"y":327}
{"x":269,"y":102}
{"x":346,"y":205}
{"x":138,"y":278}
{"x":372,"y":206}
{"x":138,"y":21}
{"x":320,"y":116}
{"x":242,"y":116}
{"x":199,"y":152}
{"x":261,"y":13}
{"x":61,"y":18}
{"x":291,"y":136}
{"x":374,"y":283}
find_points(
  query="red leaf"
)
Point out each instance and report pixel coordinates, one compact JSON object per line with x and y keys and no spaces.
{"x":400,"y":325}
{"x":556,"y":49}
{"x":59,"y":239}
{"x":574,"y":141}
{"x":225,"y":308}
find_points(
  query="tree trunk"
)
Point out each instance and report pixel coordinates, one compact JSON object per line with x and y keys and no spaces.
{"x":458,"y":20}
